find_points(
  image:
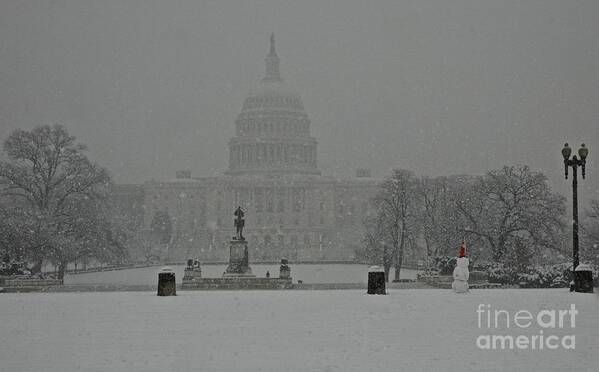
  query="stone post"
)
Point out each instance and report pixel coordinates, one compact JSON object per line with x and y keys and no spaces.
{"x":376,"y":280}
{"x":583,"y":279}
{"x":166,"y":283}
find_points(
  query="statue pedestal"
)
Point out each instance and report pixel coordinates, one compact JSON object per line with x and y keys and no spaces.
{"x":238,"y":260}
{"x":238,"y":275}
{"x":191,"y":274}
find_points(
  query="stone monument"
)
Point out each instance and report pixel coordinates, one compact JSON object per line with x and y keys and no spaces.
{"x":238,"y":250}
{"x":193,"y":271}
{"x":238,"y":274}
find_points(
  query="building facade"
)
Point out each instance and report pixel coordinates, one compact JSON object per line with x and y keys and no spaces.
{"x":292,"y":210}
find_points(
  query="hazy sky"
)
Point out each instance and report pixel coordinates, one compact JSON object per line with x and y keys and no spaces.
{"x":436,"y":86}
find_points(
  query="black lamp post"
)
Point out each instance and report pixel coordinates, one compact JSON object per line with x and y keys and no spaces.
{"x":575,"y":162}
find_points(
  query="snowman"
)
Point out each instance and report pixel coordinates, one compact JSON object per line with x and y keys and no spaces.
{"x":461,"y":273}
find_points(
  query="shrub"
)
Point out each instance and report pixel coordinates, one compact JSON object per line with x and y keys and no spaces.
{"x":13,"y":268}
{"x":444,"y":264}
{"x":531,"y":276}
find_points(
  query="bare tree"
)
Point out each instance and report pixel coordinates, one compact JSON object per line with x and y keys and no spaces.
{"x":59,"y":194}
{"x":377,"y":249}
{"x":590,"y":229}
{"x":397,"y":204}
{"x":15,"y":231}
{"x":442,"y":225}
{"x":513,"y":207}
{"x":162,"y":227}
{"x":508,"y":215}
{"x":162,"y":231}
{"x":147,"y":247}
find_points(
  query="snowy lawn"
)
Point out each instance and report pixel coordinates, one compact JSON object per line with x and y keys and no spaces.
{"x":308,"y":273}
{"x":282,"y":331}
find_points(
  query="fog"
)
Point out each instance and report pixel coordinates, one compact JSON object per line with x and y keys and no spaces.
{"x":435,"y":86}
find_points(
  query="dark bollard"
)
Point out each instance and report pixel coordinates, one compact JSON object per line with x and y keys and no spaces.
{"x":376,"y":280}
{"x":166,"y":283}
{"x":583,"y":279}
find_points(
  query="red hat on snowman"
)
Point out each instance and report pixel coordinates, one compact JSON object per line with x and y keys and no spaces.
{"x":463,"y":249}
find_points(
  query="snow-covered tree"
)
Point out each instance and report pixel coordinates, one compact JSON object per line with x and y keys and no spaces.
{"x":589,"y":248}
{"x":377,"y":249}
{"x":54,"y":193}
{"x":513,"y":208}
{"x":398,"y":206}
{"x":508,"y":215}
{"x":441,"y":223}
{"x":162,"y":226}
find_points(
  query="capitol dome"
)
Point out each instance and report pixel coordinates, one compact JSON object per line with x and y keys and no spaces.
{"x":273,"y":129}
{"x":273,"y":95}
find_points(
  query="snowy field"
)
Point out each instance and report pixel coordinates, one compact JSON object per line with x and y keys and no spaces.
{"x":308,"y":273}
{"x":408,"y":330}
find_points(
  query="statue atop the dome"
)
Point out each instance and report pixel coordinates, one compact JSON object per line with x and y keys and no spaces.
{"x":272,"y":63}
{"x":239,"y":223}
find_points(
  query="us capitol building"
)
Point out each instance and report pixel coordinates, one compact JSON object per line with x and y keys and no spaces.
{"x":292,"y":210}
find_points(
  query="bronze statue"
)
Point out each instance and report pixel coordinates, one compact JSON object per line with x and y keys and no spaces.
{"x":239,"y":223}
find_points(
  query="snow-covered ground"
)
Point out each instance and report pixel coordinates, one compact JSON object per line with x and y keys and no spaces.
{"x":308,"y":273}
{"x":408,"y":330}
